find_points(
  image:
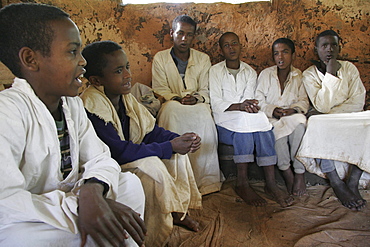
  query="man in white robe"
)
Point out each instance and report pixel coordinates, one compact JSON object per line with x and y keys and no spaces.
{"x":180,"y":75}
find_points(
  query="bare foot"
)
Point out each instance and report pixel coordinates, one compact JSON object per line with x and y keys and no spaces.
{"x":289,"y":180}
{"x":187,"y":222}
{"x":347,"y":197}
{"x":299,"y":187}
{"x":356,"y":192}
{"x":279,"y":195}
{"x":249,"y":196}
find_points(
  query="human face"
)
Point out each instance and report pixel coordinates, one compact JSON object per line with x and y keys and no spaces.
{"x":59,"y":73}
{"x":182,"y":36}
{"x":327,"y":48}
{"x":116,"y":74}
{"x":230,"y":47}
{"x":283,"y":56}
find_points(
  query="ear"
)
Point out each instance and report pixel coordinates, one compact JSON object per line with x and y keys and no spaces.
{"x":315,"y":50}
{"x":94,"y":80}
{"x":29,"y":59}
{"x":171,"y":33}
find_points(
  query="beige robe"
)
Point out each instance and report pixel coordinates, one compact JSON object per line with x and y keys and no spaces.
{"x":169,"y":185}
{"x":189,"y":118}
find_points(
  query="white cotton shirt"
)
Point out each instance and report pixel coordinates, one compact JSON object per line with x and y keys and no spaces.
{"x":335,"y":94}
{"x":32,"y":188}
{"x":269,"y":95}
{"x":225,"y":91}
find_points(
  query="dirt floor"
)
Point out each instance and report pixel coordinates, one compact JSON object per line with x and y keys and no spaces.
{"x":314,"y":220}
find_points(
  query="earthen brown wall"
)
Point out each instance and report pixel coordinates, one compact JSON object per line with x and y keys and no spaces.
{"x":143,"y":30}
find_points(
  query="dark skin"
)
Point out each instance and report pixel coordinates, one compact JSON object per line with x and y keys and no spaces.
{"x":230,"y":49}
{"x":103,"y":219}
{"x":116,"y":80}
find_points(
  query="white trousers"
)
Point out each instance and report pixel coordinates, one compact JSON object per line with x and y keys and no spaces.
{"x":130,"y":193}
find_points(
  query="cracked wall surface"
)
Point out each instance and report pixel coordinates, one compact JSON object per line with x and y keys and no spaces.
{"x":143,"y":30}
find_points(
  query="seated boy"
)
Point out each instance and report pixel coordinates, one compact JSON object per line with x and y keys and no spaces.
{"x":58,"y":178}
{"x":334,"y":86}
{"x":240,"y":123}
{"x":180,"y":75}
{"x":138,"y":144}
{"x":283,"y":99}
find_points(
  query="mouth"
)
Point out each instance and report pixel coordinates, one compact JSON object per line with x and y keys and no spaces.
{"x":78,"y":79}
{"x":127,"y":84}
{"x":280,"y":62}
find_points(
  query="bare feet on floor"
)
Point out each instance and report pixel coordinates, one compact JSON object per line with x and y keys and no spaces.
{"x":350,"y":199}
{"x":249,"y":196}
{"x":299,"y":186}
{"x":279,"y":195}
{"x":288,"y":176}
{"x":187,"y":222}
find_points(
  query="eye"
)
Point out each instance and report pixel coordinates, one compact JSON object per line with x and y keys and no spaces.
{"x":128,"y":66}
{"x":73,"y":52}
{"x":226,"y":45}
{"x":276,"y":53}
{"x":118,"y":71}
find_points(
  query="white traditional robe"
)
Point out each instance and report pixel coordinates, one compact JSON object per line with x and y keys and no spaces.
{"x":335,"y":136}
{"x":269,"y":95}
{"x":196,"y":118}
{"x":32,"y":189}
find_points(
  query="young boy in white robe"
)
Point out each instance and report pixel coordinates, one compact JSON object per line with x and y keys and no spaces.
{"x":334,"y":86}
{"x":180,"y":76}
{"x":59,"y":182}
{"x":240,"y":122}
{"x":282,"y":97}
{"x":157,"y":156}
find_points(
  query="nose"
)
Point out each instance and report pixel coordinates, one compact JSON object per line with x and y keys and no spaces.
{"x":82,"y":61}
{"x":126,"y":73}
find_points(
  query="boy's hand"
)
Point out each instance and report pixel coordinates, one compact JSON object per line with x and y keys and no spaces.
{"x":196,"y":144}
{"x":288,"y":112}
{"x":189,"y":100}
{"x":184,"y":143}
{"x":277,"y":113}
{"x":332,"y":66}
{"x":129,"y":220}
{"x":250,"y":106}
{"x":97,"y":219}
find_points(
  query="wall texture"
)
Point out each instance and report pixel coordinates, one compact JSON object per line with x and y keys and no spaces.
{"x":143,"y":30}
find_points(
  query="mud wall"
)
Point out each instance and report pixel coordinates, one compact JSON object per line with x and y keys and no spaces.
{"x":143,"y":30}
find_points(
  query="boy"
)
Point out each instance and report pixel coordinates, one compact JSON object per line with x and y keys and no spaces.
{"x":60,"y":179}
{"x":283,"y":99}
{"x":334,"y":86}
{"x":138,"y":144}
{"x":180,"y":75}
{"x":240,"y":123}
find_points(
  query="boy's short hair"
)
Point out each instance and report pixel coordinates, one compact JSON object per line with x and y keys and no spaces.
{"x":94,"y":54}
{"x":184,"y":19}
{"x":327,"y":33}
{"x":26,"y":25}
{"x":221,"y":39}
{"x":286,"y":41}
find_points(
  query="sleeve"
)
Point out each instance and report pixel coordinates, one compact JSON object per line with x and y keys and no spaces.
{"x":218,"y":103}
{"x":28,"y":171}
{"x":357,"y":93}
{"x":302,"y":103}
{"x":204,"y":67}
{"x":160,"y":78}
{"x":127,"y":151}
{"x":263,"y":87}
{"x":323,"y":95}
